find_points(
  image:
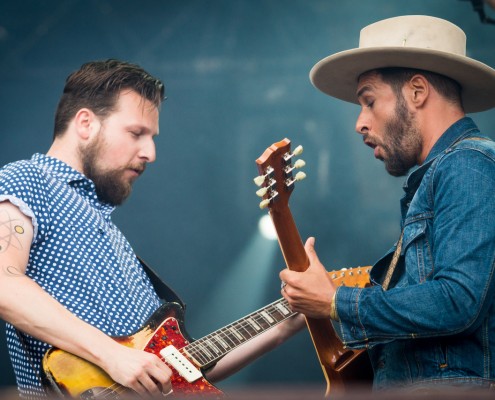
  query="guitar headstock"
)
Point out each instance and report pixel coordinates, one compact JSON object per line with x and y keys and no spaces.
{"x":355,"y":277}
{"x":276,"y":177}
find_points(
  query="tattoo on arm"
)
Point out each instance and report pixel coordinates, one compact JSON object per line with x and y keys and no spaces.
{"x":10,"y":230}
{"x":12,"y":271}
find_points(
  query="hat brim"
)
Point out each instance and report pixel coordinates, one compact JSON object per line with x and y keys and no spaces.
{"x":337,"y":75}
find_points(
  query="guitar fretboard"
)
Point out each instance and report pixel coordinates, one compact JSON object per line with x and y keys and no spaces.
{"x":214,"y":346}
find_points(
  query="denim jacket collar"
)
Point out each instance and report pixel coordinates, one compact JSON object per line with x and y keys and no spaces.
{"x":463,"y":128}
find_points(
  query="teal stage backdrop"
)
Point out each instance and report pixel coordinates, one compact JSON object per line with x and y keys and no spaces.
{"x":236,"y":76}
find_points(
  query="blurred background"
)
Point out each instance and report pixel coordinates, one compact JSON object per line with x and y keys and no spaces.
{"x":236,"y":76}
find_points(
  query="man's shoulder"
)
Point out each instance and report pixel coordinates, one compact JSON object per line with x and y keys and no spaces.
{"x":21,"y":173}
{"x":477,"y":143}
{"x":19,"y":166}
{"x":474,"y":147}
{"x":470,"y":158}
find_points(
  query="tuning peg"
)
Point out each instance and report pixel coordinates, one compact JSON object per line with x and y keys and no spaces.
{"x":264,"y":203}
{"x":259,"y":180}
{"x":299,"y":164}
{"x":261,"y":192}
{"x":300,"y":176}
{"x":298,"y":150}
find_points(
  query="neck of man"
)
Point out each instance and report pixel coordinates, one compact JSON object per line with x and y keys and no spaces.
{"x":63,"y":149}
{"x":434,"y":121}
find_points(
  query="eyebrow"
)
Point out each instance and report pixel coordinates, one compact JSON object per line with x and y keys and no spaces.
{"x":365,"y":88}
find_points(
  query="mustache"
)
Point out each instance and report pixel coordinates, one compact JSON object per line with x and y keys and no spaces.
{"x":139,"y":168}
{"x":368,"y":141}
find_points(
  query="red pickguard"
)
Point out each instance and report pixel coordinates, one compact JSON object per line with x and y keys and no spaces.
{"x":169,"y":333}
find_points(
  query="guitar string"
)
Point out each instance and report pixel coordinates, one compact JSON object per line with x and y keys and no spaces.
{"x":242,"y":323}
{"x":239,"y":326}
{"x":223,"y":341}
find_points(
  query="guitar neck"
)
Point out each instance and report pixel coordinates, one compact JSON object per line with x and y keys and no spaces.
{"x":276,"y":181}
{"x":214,"y":346}
{"x":289,"y":239}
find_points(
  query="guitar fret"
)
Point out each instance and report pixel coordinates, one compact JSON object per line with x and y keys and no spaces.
{"x":277,"y":315}
{"x":284,"y":310}
{"x":232,"y":337}
{"x":245,"y":329}
{"x":204,"y":352}
{"x":195,"y":353}
{"x":211,"y":344}
{"x":267,"y":317}
{"x":237,"y":334}
{"x":262,"y":324}
{"x":248,"y":329}
{"x":226,"y":337}
{"x":254,"y":324}
{"x":222,"y":342}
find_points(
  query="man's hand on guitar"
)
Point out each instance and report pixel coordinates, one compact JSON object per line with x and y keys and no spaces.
{"x":143,"y":372}
{"x":309,"y":292}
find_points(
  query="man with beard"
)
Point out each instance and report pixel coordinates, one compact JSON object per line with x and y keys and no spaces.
{"x":429,"y":316}
{"x":68,"y":277}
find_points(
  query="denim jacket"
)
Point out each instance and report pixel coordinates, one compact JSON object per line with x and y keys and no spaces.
{"x":436,"y":322}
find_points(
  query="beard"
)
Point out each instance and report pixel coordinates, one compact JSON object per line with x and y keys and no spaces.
{"x":111,"y":185}
{"x":402,"y":141}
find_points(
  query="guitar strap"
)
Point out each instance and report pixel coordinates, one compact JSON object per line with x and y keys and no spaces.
{"x":393,"y":263}
{"x":164,"y":291}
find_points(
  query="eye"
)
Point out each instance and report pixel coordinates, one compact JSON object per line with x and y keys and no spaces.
{"x":370,"y":104}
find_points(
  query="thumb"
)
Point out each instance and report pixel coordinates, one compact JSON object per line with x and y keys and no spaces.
{"x":310,"y":251}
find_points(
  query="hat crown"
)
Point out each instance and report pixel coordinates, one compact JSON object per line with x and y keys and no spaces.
{"x":415,"y":31}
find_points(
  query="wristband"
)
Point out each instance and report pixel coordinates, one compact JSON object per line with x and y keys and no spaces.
{"x":333,"y":308}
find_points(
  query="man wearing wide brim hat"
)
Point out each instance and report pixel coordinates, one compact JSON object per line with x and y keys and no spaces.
{"x":429,"y":317}
{"x":415,"y":41}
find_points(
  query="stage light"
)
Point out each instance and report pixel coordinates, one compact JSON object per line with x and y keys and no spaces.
{"x":267,"y":230}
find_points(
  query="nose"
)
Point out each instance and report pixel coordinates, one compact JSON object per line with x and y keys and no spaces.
{"x":362,"y":123}
{"x":148,"y":150}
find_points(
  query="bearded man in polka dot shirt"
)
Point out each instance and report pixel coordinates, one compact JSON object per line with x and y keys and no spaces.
{"x":68,"y":277}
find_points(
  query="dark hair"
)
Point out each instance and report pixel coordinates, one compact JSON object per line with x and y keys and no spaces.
{"x":397,"y":77}
{"x":97,"y":85}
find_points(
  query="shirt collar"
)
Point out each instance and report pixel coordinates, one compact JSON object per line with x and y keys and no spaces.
{"x":65,"y":173}
{"x":463,"y":128}
{"x":58,"y":168}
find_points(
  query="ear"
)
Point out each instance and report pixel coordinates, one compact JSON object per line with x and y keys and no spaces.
{"x":86,"y":123}
{"x":418,"y":90}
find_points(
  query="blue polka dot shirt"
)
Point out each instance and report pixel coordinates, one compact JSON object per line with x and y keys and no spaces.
{"x":77,"y":255}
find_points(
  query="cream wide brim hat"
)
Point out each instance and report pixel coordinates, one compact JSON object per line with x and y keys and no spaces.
{"x":411,"y":41}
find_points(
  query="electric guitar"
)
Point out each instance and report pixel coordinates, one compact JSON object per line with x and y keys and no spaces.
{"x":164,"y":334}
{"x":343,"y":368}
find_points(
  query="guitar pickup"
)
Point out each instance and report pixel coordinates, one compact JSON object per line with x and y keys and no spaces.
{"x":181,"y":364}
